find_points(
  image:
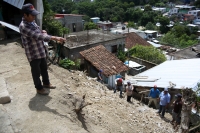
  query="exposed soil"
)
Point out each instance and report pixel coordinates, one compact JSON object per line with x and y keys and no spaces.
{"x":32,"y":113}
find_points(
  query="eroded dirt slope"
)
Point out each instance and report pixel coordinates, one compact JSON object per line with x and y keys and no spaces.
{"x":29,"y":112}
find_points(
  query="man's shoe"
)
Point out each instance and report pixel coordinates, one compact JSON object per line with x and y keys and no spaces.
{"x":43,"y":92}
{"x":162,"y":116}
{"x":50,"y":86}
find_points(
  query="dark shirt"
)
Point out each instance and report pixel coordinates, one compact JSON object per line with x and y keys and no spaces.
{"x":177,"y":106}
{"x":99,"y":75}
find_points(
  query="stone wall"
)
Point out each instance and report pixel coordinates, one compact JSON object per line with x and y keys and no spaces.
{"x":70,"y":20}
{"x":143,"y":62}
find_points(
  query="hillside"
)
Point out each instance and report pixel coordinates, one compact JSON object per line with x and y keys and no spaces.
{"x":29,"y":112}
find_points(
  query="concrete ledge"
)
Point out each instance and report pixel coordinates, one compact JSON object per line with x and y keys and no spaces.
{"x":4,"y":95}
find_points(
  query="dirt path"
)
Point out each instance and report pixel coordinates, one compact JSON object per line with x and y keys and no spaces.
{"x":32,"y":113}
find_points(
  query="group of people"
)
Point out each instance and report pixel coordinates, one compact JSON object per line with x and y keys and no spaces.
{"x":119,"y":84}
{"x":164,"y":100}
{"x":161,"y":100}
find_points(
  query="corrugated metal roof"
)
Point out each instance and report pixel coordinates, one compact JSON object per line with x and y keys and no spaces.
{"x":180,"y":72}
{"x":15,"y":28}
{"x":16,"y":3}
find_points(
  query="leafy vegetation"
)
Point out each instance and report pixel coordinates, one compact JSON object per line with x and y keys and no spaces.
{"x":123,"y":11}
{"x":180,"y":36}
{"x":121,"y":54}
{"x":89,"y":26}
{"x":77,"y":63}
{"x":66,"y":63}
{"x":52,"y":26}
{"x":148,"y":53}
{"x":113,"y":10}
{"x":150,"y":26}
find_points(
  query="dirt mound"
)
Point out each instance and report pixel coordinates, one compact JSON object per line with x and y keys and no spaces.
{"x":105,"y":111}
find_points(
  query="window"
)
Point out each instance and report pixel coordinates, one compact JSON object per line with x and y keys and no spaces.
{"x":114,"y":49}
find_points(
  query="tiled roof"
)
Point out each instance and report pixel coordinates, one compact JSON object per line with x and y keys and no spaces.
{"x":101,"y":58}
{"x":132,"y":39}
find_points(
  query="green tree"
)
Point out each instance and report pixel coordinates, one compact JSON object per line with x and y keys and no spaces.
{"x":197,"y":3}
{"x":62,"y":6}
{"x":52,"y":26}
{"x":164,"y":21}
{"x":121,"y":54}
{"x":133,"y":14}
{"x":147,"y":8}
{"x":161,"y":4}
{"x":175,"y":39}
{"x":150,"y":26}
{"x":89,"y":26}
{"x":146,"y":17}
{"x":148,"y":53}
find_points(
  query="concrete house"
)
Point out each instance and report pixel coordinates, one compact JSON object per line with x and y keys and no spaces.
{"x":99,"y":57}
{"x":79,"y":41}
{"x":151,"y":34}
{"x":105,"y":25}
{"x":173,"y":11}
{"x":195,"y":13}
{"x":159,"y":9}
{"x":71,"y":21}
{"x":185,"y":8}
{"x":95,"y":19}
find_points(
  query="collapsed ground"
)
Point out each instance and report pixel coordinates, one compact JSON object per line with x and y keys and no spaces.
{"x":30,"y":112}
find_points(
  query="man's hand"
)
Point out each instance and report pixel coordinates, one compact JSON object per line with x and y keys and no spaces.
{"x":60,"y":39}
{"x":44,"y":31}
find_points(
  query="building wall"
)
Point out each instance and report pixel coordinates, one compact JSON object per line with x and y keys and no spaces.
{"x":70,"y":20}
{"x":74,"y":54}
{"x":143,"y":62}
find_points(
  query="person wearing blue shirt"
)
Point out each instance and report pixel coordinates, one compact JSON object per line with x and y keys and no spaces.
{"x":164,"y":101}
{"x":154,"y":94}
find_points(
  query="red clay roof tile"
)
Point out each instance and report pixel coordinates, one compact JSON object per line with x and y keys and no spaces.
{"x":133,"y":39}
{"x":101,"y":58}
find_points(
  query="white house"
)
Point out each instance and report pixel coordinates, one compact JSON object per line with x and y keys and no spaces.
{"x":162,"y":10}
{"x":173,"y":11}
{"x":195,"y":13}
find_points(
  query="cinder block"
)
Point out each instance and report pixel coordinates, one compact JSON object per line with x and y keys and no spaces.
{"x":4,"y":95}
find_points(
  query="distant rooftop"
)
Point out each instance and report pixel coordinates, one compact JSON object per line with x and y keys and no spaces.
{"x":62,"y":15}
{"x":184,"y":6}
{"x":95,"y":18}
{"x":150,"y":31}
{"x":79,"y":39}
{"x":104,"y":22}
{"x":186,"y":53}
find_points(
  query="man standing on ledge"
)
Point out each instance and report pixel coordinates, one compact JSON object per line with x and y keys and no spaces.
{"x":154,"y":94}
{"x":32,"y":40}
